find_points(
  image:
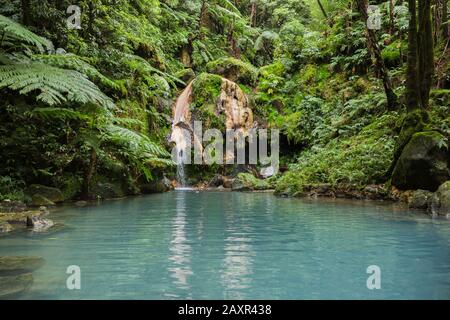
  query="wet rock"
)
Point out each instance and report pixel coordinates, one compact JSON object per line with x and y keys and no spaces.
{"x":216,"y":181}
{"x":19,"y":217}
{"x":81,"y":203}
{"x":228,"y":182}
{"x":440,"y":202}
{"x":12,"y":286}
{"x":39,"y":224}
{"x":420,"y":199}
{"x":157,"y":186}
{"x":375,"y":192}
{"x":12,"y":206}
{"x":220,"y":181}
{"x":423,"y":163}
{"x":49,"y":193}
{"x":5,"y":227}
{"x":40,"y":200}
{"x":107,"y":190}
{"x":44,"y":210}
{"x":13,"y":265}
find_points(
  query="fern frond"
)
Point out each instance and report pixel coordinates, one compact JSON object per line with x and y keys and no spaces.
{"x":13,"y":31}
{"x":59,"y":113}
{"x":77,"y":63}
{"x":54,"y":85}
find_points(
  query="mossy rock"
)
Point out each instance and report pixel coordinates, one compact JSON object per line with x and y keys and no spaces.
{"x":39,"y":200}
{"x":13,"y":286}
{"x":423,"y":163}
{"x":185,"y":75}
{"x":235,"y":70}
{"x":420,"y":199}
{"x":440,"y":203}
{"x":205,"y":94}
{"x":17,"y":265}
{"x":53,"y":194}
{"x":248,"y":182}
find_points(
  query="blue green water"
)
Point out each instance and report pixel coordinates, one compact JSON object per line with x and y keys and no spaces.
{"x":224,"y":245}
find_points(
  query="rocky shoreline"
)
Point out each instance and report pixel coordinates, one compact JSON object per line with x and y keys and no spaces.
{"x":16,"y":216}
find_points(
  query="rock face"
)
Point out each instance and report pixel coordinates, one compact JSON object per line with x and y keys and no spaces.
{"x":440,"y":203}
{"x":420,"y":199}
{"x":215,"y":101}
{"x":423,"y":163}
{"x":44,"y":194}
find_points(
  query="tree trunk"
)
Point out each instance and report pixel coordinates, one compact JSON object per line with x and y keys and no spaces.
{"x":444,"y":26}
{"x":391,"y":17}
{"x":426,"y":54}
{"x":322,"y":9}
{"x":253,"y":14}
{"x":380,"y":68}
{"x":89,"y":174}
{"x":412,"y":76}
{"x":25,"y":6}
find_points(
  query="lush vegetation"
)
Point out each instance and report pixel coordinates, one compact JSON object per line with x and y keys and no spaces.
{"x":92,"y":106}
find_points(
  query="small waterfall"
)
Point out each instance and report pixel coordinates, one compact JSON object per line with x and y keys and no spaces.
{"x":181,"y":149}
{"x":182,"y":142}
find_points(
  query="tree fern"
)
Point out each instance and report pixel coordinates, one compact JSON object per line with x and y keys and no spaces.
{"x":54,"y":85}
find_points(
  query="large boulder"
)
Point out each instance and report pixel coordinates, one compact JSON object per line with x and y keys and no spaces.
{"x":423,"y":163}
{"x":440,"y":203}
{"x":53,"y":194}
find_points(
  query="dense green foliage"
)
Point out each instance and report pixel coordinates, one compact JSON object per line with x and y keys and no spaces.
{"x":82,"y":106}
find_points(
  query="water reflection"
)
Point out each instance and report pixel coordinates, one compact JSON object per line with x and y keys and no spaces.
{"x":180,"y":248}
{"x":237,"y":271}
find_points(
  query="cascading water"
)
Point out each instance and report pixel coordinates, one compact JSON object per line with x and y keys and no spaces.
{"x":182,"y":142}
{"x":181,"y":153}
